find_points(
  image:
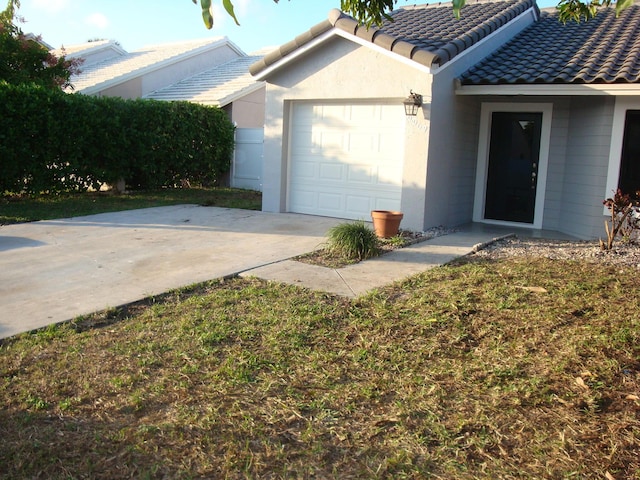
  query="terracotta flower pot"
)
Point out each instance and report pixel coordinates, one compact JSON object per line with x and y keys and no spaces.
{"x":386,"y":223}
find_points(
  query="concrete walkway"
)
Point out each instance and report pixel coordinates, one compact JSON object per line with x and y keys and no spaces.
{"x":53,"y":271}
{"x":358,"y":279}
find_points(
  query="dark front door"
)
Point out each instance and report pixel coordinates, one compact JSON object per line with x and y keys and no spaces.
{"x":629,"y":181}
{"x":512,"y":176}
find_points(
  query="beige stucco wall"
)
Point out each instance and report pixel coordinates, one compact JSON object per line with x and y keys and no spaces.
{"x":128,"y":90}
{"x":248,"y":111}
{"x":341,"y":70}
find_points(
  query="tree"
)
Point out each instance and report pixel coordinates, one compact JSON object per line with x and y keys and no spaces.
{"x":365,"y":11}
{"x":24,"y":59}
{"x":371,"y":12}
{"x":578,"y":10}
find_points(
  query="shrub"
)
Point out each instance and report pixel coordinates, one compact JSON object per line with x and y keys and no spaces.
{"x":354,"y":241}
{"x":624,"y":221}
{"x":51,"y":141}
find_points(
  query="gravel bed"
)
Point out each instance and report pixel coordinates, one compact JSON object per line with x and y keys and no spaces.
{"x":623,"y":254}
{"x":410,"y":237}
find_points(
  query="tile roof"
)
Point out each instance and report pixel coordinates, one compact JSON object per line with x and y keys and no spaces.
{"x":137,"y":62}
{"x":427,"y":34}
{"x":603,"y":50}
{"x":218,"y":86}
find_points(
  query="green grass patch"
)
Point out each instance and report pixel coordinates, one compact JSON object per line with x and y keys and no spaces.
{"x":18,"y":209}
{"x":509,"y":369}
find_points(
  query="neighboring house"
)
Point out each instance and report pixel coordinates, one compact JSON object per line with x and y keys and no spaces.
{"x":525,"y":121}
{"x":231,"y":87}
{"x":212,"y":71}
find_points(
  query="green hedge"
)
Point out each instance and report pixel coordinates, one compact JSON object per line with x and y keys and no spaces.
{"x":51,"y":141}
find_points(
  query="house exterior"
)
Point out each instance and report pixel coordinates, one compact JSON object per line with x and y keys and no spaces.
{"x":211,"y":71}
{"x":524,"y":122}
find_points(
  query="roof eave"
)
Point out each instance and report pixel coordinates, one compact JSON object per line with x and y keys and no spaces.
{"x":223,"y":102}
{"x":266,"y":71}
{"x":574,"y":89}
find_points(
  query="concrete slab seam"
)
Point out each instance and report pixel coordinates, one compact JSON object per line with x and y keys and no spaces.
{"x":345,"y":282}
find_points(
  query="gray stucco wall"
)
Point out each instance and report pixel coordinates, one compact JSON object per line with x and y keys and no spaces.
{"x":557,"y":163}
{"x":587,"y":160}
{"x":578,"y":162}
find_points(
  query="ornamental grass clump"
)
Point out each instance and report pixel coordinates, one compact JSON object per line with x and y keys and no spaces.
{"x":355,"y":241}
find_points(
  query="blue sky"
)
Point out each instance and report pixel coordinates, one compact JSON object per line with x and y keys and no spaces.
{"x":136,"y":23}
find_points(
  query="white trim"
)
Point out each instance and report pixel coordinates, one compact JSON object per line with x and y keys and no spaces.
{"x":329,"y":34}
{"x":287,"y":159}
{"x":617,"y":136}
{"x":483,"y":159}
{"x":549,"y":89}
{"x":293,"y":55}
{"x":223,"y":102}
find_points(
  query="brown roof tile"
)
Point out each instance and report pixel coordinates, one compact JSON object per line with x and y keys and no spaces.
{"x":603,"y":50}
{"x":428,"y":34}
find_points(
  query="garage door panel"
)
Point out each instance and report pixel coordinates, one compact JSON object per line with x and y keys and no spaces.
{"x":333,"y":172}
{"x":363,"y":143}
{"x":331,"y":201}
{"x":363,"y":113}
{"x":306,"y":200}
{"x":332,"y":113}
{"x":304,"y":170}
{"x":331,"y":142}
{"x":356,"y":204}
{"x":346,"y":160}
{"x":362,"y":174}
{"x":388,"y":176}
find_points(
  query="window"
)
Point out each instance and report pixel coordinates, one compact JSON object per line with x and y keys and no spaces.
{"x":629,"y":178}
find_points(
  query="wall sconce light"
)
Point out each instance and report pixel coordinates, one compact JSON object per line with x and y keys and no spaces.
{"x":412,"y":104}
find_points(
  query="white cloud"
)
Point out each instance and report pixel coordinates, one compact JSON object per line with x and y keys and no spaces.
{"x":97,"y":20}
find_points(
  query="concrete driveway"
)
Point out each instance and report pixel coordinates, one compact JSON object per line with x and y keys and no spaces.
{"x":55,"y":270}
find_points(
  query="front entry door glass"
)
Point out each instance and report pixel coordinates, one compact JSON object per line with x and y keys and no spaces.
{"x":514,"y":157}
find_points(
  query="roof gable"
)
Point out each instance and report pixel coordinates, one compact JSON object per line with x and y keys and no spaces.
{"x":604,"y":50}
{"x":427,"y":34}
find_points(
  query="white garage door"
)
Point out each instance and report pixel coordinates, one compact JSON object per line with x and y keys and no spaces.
{"x":345,"y":160}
